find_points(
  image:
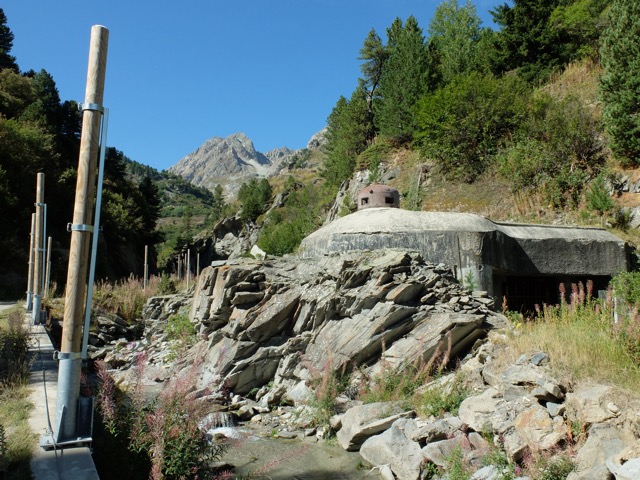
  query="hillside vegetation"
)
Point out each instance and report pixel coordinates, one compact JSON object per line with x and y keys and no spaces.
{"x":522,"y":123}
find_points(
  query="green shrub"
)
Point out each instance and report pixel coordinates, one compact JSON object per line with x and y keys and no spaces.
{"x":465,"y":123}
{"x":166,"y":430}
{"x":166,"y":286}
{"x":443,"y":399}
{"x":285,"y":227}
{"x":626,"y":287}
{"x":14,"y":367}
{"x":181,"y":332}
{"x":556,"y":150}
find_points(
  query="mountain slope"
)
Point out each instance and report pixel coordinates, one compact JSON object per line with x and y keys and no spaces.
{"x":229,"y":162}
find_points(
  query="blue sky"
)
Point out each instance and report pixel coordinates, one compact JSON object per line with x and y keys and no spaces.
{"x":178,"y":74}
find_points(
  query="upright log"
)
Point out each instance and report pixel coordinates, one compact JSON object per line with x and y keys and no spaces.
{"x":38,"y":249}
{"x":76,"y":288}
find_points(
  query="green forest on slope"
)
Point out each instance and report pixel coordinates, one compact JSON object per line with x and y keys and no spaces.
{"x":535,"y":121}
{"x":542,"y":110}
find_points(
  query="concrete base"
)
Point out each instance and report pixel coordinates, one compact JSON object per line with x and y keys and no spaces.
{"x":69,"y":463}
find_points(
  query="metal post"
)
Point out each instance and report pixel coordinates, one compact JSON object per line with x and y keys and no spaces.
{"x":44,"y":250}
{"x":198,"y":264}
{"x":39,"y":250}
{"x":47,"y":274}
{"x":145,"y":282}
{"x":32,"y":238}
{"x":70,"y":352}
{"x":188,"y":267}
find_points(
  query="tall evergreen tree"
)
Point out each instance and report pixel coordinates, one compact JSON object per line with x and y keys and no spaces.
{"x":526,"y":40}
{"x":404,"y":80}
{"x":620,"y":84}
{"x":455,"y":31}
{"x":374,"y":56}
{"x":6,"y":44}
{"x":346,"y":136}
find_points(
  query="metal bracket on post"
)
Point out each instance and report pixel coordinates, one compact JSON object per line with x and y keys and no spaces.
{"x":94,"y":107}
{"x":79,"y":227}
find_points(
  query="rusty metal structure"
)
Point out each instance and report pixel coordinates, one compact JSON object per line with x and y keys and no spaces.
{"x":376,"y":196}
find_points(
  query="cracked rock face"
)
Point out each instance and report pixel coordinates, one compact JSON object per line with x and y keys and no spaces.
{"x":301,"y":318}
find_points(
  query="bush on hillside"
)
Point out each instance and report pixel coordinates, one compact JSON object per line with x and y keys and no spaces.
{"x":462,"y":125}
{"x":556,"y":150}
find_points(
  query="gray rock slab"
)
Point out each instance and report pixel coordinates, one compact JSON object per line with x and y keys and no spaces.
{"x":393,"y":448}
{"x":364,"y":421}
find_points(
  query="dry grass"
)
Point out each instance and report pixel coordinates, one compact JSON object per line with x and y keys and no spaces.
{"x":489,"y":196}
{"x":582,"y":342}
{"x":580,"y":79}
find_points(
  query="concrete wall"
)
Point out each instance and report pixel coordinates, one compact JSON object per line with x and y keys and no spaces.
{"x":475,"y":247}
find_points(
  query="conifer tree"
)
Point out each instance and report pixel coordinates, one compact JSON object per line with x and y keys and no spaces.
{"x":6,"y":44}
{"x":374,"y":54}
{"x":620,"y":84}
{"x":346,"y":136}
{"x":404,"y":80}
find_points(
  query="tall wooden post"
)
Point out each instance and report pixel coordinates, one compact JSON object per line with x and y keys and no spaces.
{"x":32,"y":240}
{"x":47,"y":272}
{"x":75,"y":299}
{"x":38,"y":249}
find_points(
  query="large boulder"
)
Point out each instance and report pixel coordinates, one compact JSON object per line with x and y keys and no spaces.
{"x":363,"y":421}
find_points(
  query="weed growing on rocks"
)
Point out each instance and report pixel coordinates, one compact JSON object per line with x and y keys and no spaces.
{"x":181,"y":332}
{"x":584,"y":340}
{"x":165,"y":431}
{"x":443,"y":398}
{"x":540,"y":466}
{"x":327,"y":384}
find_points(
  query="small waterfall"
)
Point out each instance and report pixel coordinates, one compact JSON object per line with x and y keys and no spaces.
{"x":220,"y":423}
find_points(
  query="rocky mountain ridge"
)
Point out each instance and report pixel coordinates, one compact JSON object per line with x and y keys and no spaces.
{"x":232,"y":161}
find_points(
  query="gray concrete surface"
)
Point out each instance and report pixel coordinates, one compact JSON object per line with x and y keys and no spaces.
{"x":71,"y":463}
{"x":478,"y":249}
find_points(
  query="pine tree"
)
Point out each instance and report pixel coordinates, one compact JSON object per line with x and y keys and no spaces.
{"x":374,"y":54}
{"x":620,"y":84}
{"x":526,"y":40}
{"x":346,"y":136}
{"x":404,"y":80}
{"x":6,"y":44}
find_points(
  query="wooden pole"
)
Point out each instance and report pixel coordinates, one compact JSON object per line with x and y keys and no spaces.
{"x":32,"y":238}
{"x":38,"y":249}
{"x":47,"y":274}
{"x":76,"y":287}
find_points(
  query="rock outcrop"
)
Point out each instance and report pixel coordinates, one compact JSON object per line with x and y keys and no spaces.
{"x":292,"y":322}
{"x":270,"y":331}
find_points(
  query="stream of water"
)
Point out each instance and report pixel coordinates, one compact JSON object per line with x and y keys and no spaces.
{"x":284,"y":459}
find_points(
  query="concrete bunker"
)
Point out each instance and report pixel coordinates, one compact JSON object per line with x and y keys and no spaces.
{"x":375,"y":196}
{"x":521,"y":264}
